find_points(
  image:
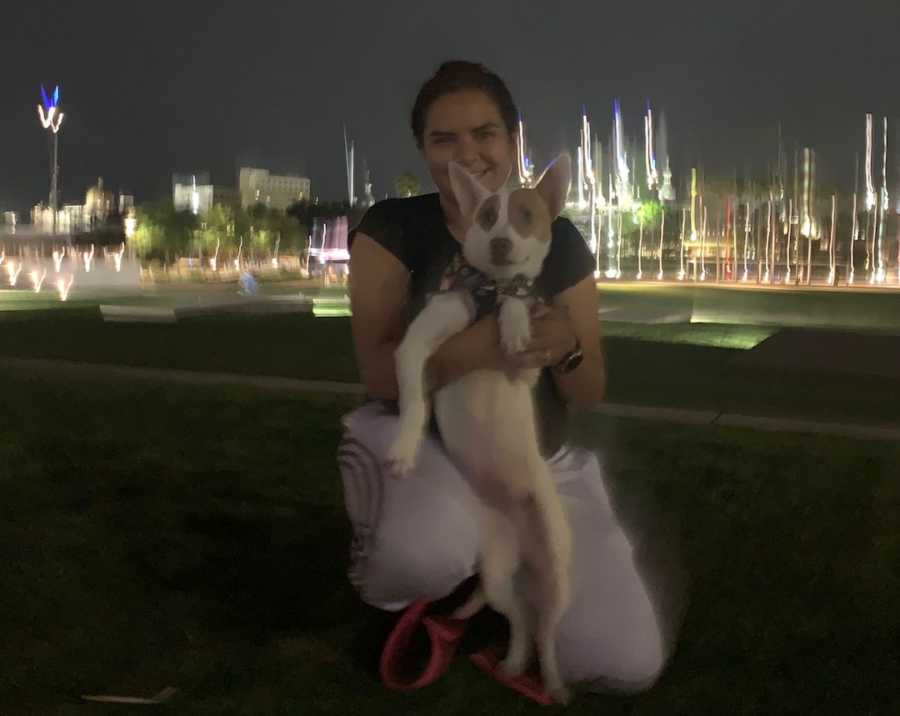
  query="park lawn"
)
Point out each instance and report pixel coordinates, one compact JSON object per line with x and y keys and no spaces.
{"x":730,"y":303}
{"x":669,"y":365}
{"x":195,"y":537}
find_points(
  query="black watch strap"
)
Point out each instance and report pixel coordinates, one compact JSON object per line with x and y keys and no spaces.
{"x":571,"y":360}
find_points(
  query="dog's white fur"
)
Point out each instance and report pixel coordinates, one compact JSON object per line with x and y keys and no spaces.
{"x":487,"y":422}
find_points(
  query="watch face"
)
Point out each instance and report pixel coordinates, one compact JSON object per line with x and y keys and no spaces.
{"x":572,"y":362}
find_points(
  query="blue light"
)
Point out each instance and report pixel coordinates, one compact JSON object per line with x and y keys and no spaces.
{"x":47,"y":102}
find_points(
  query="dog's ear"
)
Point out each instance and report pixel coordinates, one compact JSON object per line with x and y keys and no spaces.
{"x":468,"y":190}
{"x":553,"y":186}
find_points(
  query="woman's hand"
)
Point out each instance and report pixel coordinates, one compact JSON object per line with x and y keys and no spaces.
{"x":552,"y":338}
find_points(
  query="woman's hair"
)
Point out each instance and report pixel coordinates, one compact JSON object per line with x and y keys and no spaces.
{"x":458,"y":75}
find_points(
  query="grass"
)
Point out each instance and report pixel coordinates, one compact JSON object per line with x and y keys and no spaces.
{"x":155,"y":535}
{"x":696,"y":334}
{"x":293,"y":345}
{"x":677,"y":365}
{"x":839,"y":308}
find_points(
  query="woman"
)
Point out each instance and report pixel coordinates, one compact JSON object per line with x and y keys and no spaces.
{"x":417,"y":538}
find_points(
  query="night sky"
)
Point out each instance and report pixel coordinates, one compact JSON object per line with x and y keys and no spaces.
{"x":152,"y":88}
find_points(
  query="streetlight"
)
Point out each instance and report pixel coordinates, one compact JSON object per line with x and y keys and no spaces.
{"x":51,"y":119}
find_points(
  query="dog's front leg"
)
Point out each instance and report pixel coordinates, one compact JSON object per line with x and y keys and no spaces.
{"x":515,"y":325}
{"x":445,"y":315}
{"x":515,"y":333}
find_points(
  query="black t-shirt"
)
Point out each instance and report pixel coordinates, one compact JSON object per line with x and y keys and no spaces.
{"x":414,"y":231}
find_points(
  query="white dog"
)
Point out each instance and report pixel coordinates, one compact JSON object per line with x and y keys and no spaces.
{"x":487,"y":418}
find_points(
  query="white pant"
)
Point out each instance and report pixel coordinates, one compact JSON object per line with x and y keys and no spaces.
{"x":418,"y":538}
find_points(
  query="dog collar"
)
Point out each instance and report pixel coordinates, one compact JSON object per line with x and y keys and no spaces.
{"x":487,"y":293}
{"x":461,"y":274}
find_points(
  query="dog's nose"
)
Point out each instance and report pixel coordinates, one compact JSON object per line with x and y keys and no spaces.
{"x":500,"y":247}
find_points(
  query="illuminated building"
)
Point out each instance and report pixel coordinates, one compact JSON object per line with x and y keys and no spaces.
{"x":192,"y":192}
{"x":259,"y":186}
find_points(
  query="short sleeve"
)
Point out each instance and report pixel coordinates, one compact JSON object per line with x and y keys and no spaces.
{"x":569,"y":260}
{"x":383,"y":223}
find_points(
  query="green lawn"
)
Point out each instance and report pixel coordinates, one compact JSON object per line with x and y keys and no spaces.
{"x":155,"y":535}
{"x":677,"y":365}
{"x":714,"y":335}
{"x":730,"y":303}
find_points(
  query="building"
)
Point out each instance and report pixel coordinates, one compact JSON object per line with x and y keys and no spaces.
{"x":98,"y":205}
{"x":192,"y":192}
{"x":259,"y":186}
{"x":225,"y":195}
{"x":126,"y":204}
{"x":197,"y":194}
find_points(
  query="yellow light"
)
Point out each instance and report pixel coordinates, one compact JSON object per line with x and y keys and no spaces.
{"x":63,"y":286}
{"x":12,"y":271}
{"x":117,"y":257}
{"x":37,"y":280}
{"x":88,"y":257}
{"x":47,"y":119}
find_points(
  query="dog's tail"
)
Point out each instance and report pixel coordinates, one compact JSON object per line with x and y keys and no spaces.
{"x":474,"y":604}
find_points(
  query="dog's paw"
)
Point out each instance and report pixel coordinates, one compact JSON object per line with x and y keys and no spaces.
{"x":515,"y":331}
{"x":401,"y":457}
{"x":515,"y":344}
{"x":512,"y":667}
{"x":560,"y":694}
{"x":528,"y":376}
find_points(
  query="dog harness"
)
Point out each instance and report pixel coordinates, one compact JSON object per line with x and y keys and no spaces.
{"x":487,"y":293}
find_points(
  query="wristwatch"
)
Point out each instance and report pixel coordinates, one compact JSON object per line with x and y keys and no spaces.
{"x":571,"y":360}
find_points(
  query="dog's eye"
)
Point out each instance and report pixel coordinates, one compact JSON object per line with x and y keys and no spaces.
{"x":488,"y":218}
{"x":489,"y":213}
{"x":527,"y":215}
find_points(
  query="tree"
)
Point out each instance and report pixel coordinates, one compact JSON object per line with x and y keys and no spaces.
{"x":216,"y":230}
{"x":147,"y":239}
{"x":407,"y":184}
{"x":263,"y":229}
{"x":650,"y":212}
{"x":162,"y":232}
{"x":305,"y":212}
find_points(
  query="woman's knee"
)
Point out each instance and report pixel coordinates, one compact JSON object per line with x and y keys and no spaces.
{"x":611,"y":633}
{"x":402,"y":569}
{"x":632,"y":664}
{"x":414,"y":538}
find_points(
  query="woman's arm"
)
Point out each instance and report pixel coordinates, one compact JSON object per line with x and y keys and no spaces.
{"x":379,"y":295}
{"x":572,"y":315}
{"x":379,"y":290}
{"x":585,"y":386}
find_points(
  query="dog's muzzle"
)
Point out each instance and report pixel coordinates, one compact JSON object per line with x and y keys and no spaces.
{"x":500,"y":249}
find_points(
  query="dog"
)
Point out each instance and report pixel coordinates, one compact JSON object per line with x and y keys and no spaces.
{"x":487,"y":417}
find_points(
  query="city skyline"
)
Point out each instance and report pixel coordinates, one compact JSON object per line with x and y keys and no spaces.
{"x":148,"y":91}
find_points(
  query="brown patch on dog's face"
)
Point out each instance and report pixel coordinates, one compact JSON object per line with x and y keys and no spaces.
{"x":489,"y":212}
{"x":528,"y":214}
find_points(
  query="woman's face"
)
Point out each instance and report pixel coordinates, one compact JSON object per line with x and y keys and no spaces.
{"x":466,"y":127}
